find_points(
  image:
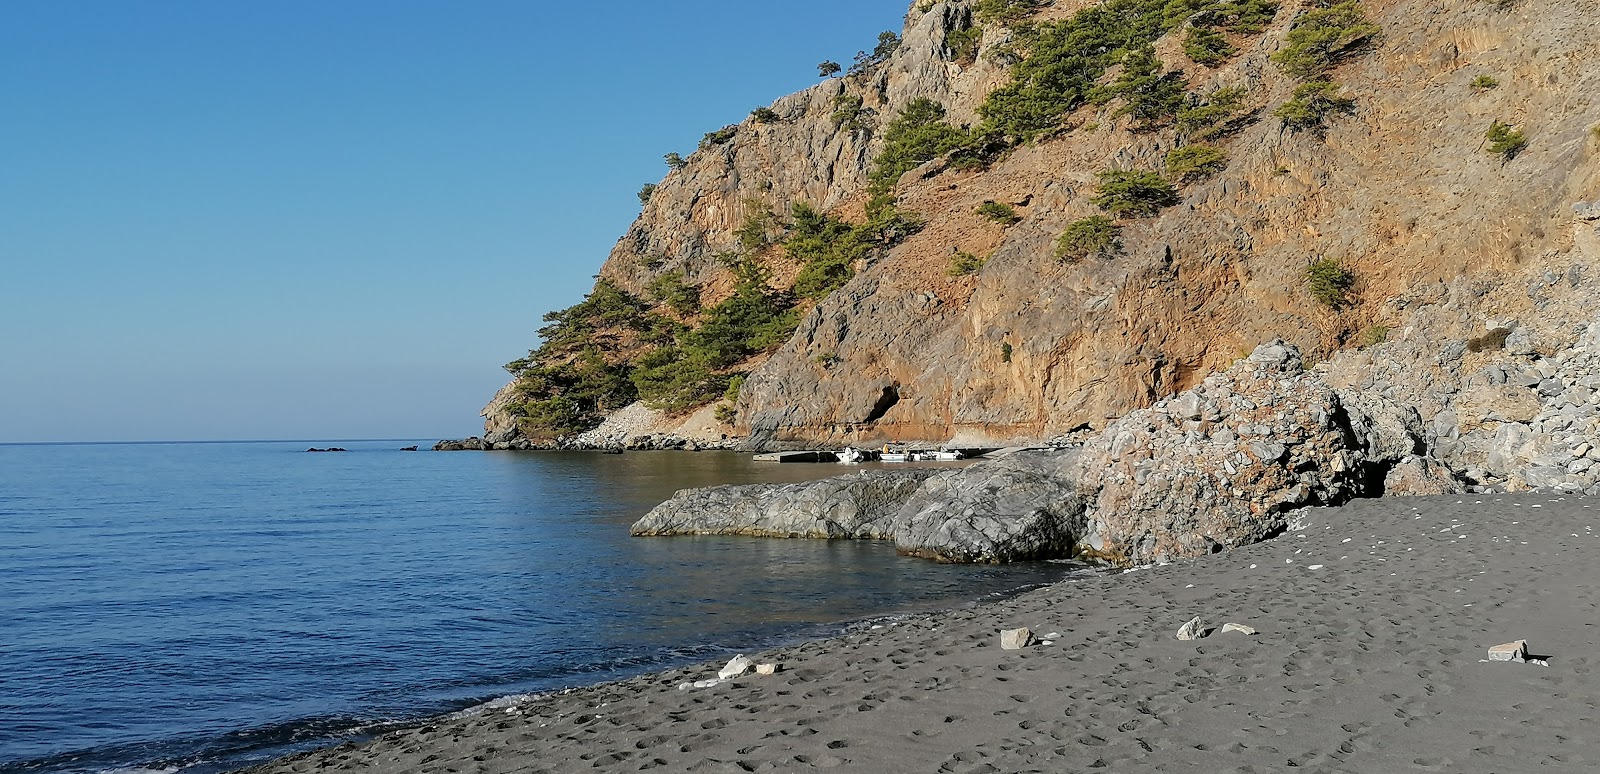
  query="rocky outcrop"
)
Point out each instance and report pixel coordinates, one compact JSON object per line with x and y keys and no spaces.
{"x":1016,"y":508}
{"x":1218,"y":466}
{"x":862,"y":506}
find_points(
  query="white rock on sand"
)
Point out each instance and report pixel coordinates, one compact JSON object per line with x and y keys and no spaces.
{"x":1016,"y":639}
{"x":736,"y":666}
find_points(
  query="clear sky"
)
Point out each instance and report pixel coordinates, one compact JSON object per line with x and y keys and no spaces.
{"x":308,"y":219}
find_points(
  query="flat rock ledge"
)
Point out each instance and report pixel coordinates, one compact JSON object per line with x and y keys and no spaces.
{"x":1219,"y":466}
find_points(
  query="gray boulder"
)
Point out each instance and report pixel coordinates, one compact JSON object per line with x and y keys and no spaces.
{"x":857,"y":506}
{"x":1012,"y":509}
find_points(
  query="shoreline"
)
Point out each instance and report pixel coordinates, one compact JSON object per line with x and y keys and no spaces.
{"x":1373,"y":621}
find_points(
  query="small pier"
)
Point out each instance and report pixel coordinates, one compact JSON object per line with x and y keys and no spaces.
{"x":798,"y":456}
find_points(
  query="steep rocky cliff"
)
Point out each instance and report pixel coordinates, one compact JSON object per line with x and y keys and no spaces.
{"x":1396,"y":192}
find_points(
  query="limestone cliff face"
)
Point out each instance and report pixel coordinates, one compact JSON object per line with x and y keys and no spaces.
{"x":1402,"y":193}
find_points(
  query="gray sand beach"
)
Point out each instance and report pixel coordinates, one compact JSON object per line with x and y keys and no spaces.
{"x":1373,"y":624}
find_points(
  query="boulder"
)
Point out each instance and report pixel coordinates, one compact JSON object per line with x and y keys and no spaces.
{"x":862,"y":506}
{"x":1159,"y":485}
{"x":1511,"y":651}
{"x":1193,"y":630}
{"x":1414,"y":476}
{"x":1016,"y":639}
{"x":1387,"y":430}
{"x":1011,"y":509}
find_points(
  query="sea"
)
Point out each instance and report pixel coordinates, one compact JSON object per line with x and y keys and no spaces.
{"x":198,"y":607}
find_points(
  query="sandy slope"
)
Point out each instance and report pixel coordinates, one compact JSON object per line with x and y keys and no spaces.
{"x":1370,"y":663}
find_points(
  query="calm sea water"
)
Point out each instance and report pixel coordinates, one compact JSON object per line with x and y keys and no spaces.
{"x":203,"y":606}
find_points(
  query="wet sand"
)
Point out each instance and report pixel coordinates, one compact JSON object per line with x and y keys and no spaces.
{"x":1373,"y":622}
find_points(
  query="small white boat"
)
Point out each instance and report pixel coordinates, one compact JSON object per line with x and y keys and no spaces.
{"x":942,"y":455}
{"x":851,"y":456}
{"x":892,"y":453}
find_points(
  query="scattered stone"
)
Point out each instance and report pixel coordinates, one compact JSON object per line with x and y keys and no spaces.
{"x":766,"y":669}
{"x":706,"y":683}
{"x":1237,"y":627}
{"x":737,"y":665}
{"x":1193,"y":630}
{"x":1016,"y":639}
{"x":1511,"y":651}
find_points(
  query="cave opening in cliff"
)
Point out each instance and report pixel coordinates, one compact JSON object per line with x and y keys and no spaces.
{"x":886,"y":401}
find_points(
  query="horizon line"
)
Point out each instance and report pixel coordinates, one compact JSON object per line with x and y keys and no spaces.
{"x":213,"y":440}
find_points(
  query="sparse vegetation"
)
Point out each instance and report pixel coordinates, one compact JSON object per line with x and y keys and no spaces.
{"x":963,"y":44}
{"x":828,"y":68}
{"x":1505,"y":141}
{"x":848,"y":111}
{"x":1195,"y":162}
{"x":756,"y":231}
{"x":1322,"y":37}
{"x":764,"y":115}
{"x":1096,"y":235}
{"x":1311,"y":105}
{"x":1328,"y":282}
{"x":963,"y":263}
{"x":1484,"y":83}
{"x":1240,"y":16}
{"x":678,"y":294}
{"x":1005,"y":352}
{"x":1133,"y":193}
{"x":719,"y":137}
{"x":888,"y":43}
{"x":916,"y":136}
{"x":675,"y":161}
{"x":1373,"y":335}
{"x":999,"y":212}
{"x":569,"y":383}
{"x":1217,"y":114}
{"x":646,"y":192}
{"x":1005,"y":12}
{"x":828,"y":248}
{"x":1150,"y":95}
{"x":1207,"y":46}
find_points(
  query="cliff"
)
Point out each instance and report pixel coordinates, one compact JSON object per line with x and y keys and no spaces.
{"x":1431,"y":238}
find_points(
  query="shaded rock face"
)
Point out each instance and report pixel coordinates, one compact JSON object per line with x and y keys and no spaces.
{"x":1216,"y":467}
{"x":1020,"y":507}
{"x":856,"y":506}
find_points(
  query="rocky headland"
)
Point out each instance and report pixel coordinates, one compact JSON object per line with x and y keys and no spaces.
{"x":953,"y":312}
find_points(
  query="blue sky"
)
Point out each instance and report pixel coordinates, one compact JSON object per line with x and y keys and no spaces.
{"x":295,"y":219}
